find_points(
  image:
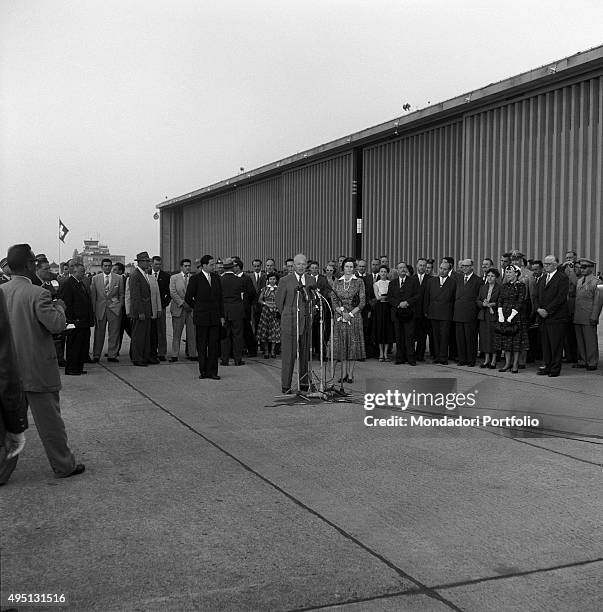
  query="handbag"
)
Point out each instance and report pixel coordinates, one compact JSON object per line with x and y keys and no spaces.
{"x":506,"y":328}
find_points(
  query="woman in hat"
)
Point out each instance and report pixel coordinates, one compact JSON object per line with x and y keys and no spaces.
{"x":513,"y":334}
{"x":269,"y":327}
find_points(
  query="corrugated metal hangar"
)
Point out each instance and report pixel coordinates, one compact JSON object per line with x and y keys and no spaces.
{"x":516,"y":164}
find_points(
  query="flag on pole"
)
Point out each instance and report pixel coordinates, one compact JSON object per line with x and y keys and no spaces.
{"x":62,"y":231}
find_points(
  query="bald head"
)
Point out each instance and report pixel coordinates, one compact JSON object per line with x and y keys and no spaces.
{"x":300,"y":262}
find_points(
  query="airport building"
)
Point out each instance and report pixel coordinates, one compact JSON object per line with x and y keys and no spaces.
{"x":515,"y":164}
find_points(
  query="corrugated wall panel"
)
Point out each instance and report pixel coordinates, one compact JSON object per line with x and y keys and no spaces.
{"x":546,"y":172}
{"x":317,"y":210}
{"x":412,"y":195}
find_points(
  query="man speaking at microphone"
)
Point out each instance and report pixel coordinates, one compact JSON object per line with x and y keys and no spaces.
{"x":293,"y":302}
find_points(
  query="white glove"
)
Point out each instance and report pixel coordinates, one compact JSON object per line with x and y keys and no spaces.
{"x":512,"y":315}
{"x":501,"y":318}
{"x":14,"y":444}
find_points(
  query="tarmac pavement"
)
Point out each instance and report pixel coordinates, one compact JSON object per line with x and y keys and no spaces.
{"x":214,"y":495}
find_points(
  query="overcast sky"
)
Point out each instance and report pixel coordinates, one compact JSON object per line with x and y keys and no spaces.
{"x":107,"y":108}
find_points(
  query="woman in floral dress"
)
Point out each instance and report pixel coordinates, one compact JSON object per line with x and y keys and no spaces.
{"x":269,"y":327}
{"x":348,"y":300}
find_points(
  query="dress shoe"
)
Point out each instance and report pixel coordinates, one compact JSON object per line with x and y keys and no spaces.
{"x":113,"y":359}
{"x":80,"y":468}
{"x":161,"y":357}
{"x":443,"y":362}
{"x":239,"y":363}
{"x":553,"y":374}
{"x":514,"y":371}
{"x":272,"y":356}
{"x":483,"y":365}
{"x":142,"y":364}
{"x":471,"y":364}
{"x":153,"y":361}
{"x":202,"y":376}
{"x":412,"y":363}
{"x":96,"y":360}
{"x":492,"y":366}
{"x":70,"y":373}
{"x":579,"y":365}
{"x":214,"y":377}
{"x":591,"y":368}
{"x":88,"y":360}
{"x":398,"y":362}
{"x":224,"y":363}
{"x":350,"y":379}
{"x":542,"y":372}
{"x":505,"y":369}
{"x":172,"y":359}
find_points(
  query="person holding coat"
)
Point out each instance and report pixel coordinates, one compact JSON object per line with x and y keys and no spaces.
{"x":487,"y":303}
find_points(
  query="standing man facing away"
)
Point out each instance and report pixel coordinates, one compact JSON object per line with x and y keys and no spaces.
{"x":34,"y":317}
{"x":293,"y":304}
{"x":107,"y":294}
{"x":204,"y":296}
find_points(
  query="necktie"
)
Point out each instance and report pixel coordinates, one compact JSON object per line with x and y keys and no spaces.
{"x":466,"y":279}
{"x":157,"y":275}
{"x":186,"y":280}
{"x":548,"y":278}
{"x":107,"y":284}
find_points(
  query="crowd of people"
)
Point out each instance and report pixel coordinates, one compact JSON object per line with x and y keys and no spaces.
{"x":521,"y":311}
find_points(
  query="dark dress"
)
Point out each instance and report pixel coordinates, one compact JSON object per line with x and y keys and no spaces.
{"x":269,"y":327}
{"x":512,"y":296}
{"x":487,"y":317}
{"x":348,"y":339}
{"x":383,"y":328}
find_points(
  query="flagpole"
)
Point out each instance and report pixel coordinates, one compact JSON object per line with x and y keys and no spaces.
{"x":59,"y":235}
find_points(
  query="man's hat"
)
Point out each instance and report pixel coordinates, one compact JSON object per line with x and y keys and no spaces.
{"x":229,"y":263}
{"x":143,"y":256}
{"x":586,"y":262}
{"x":41,"y":258}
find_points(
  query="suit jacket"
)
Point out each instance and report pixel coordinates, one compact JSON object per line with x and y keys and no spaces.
{"x":177,"y":293}
{"x":286,"y":302}
{"x":439,"y":301}
{"x":258,"y":285}
{"x":205,"y":300}
{"x":232,"y":293}
{"x":465,"y":298}
{"x":589,"y":300}
{"x":249,"y":295}
{"x":112,"y":299}
{"x":553,"y":298}
{"x":78,"y":307}
{"x":140,"y":295}
{"x":155,"y":296}
{"x":13,"y":407}
{"x":422,"y":286}
{"x":163,"y":280}
{"x":408,"y":292}
{"x":34,"y":317}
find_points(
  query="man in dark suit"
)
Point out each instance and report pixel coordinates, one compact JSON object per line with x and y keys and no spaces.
{"x":323,"y":286}
{"x":465,"y":313}
{"x":421,"y":322}
{"x":403,"y":296}
{"x":258,"y":279}
{"x":292,"y":301}
{"x":438,"y":307}
{"x":163,"y":281}
{"x":79,"y":313}
{"x":141,"y":311}
{"x":233,"y":291}
{"x":204,"y":296}
{"x":249,"y":299}
{"x":551,"y":306}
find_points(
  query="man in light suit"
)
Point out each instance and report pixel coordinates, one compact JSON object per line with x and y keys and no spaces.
{"x":182,"y":313}
{"x":293,"y":292}
{"x":141,"y":311}
{"x":107,"y":295}
{"x":588,"y":305}
{"x":34,"y":317}
{"x":552,"y":308}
